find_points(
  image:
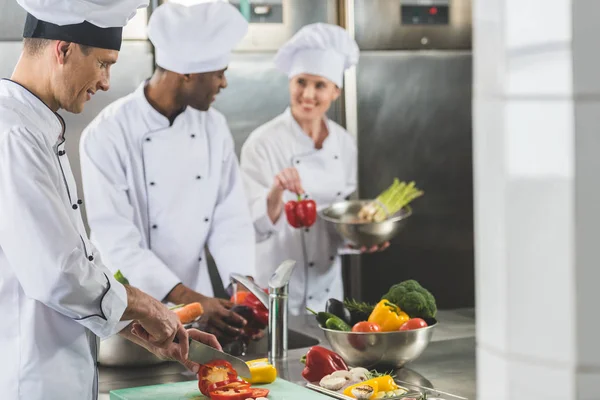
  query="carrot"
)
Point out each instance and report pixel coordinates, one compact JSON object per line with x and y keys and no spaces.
{"x":189,"y":312}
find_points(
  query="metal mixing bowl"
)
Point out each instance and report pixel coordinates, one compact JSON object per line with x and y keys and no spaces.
{"x":380,"y":349}
{"x":344,"y":216}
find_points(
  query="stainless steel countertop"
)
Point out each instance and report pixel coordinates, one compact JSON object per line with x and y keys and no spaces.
{"x":446,"y":365}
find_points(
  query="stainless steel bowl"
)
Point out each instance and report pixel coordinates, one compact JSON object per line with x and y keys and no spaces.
{"x":344,"y":216}
{"x":380,"y":349}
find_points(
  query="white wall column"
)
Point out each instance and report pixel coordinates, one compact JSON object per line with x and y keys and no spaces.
{"x":536,"y":144}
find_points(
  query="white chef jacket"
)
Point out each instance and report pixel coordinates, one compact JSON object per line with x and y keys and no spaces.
{"x":55,"y":293}
{"x":327,"y":175}
{"x":156,"y":194}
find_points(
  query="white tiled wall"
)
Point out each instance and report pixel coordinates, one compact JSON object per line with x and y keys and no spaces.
{"x":537,"y":198}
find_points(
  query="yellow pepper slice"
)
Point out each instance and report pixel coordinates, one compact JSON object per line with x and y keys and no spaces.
{"x":385,"y":383}
{"x":388,"y":316}
{"x":262,"y":371}
{"x":371,"y":382}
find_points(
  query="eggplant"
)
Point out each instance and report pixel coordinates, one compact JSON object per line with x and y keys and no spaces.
{"x":338,"y":309}
{"x":358,"y":316}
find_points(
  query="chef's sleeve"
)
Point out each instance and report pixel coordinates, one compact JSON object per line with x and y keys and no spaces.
{"x":258,"y":178}
{"x":111,"y":216}
{"x":43,"y":248}
{"x":231,"y":239}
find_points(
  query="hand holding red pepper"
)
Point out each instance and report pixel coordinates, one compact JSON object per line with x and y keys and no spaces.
{"x":301,"y":213}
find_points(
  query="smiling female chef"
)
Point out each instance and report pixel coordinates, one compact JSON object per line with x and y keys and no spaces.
{"x":301,"y":151}
{"x":160,"y":175}
{"x":56,"y":295}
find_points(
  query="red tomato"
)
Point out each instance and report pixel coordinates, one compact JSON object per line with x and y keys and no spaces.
{"x":256,"y":393}
{"x":366,"y":326}
{"x":215,"y":371}
{"x":230,"y":394}
{"x":414,"y":323}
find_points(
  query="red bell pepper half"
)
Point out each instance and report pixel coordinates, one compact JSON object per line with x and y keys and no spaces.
{"x":321,"y":362}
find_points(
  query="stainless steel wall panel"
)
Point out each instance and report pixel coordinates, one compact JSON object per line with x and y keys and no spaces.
{"x":12,"y":18}
{"x":378,"y":27}
{"x":414,"y":123}
{"x":296,"y":14}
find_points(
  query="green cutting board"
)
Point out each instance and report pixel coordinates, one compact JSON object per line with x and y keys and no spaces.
{"x":279,"y":390}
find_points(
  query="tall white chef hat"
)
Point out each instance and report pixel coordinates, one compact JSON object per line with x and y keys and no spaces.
{"x":197,"y":38}
{"x":318,"y":49}
{"x":87,"y":22}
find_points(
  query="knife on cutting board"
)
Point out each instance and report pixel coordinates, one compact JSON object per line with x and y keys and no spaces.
{"x":202,"y":354}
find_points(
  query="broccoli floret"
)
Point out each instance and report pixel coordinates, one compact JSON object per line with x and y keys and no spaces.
{"x":413,"y":299}
{"x":411,"y":285}
{"x":431,"y":306}
{"x":395,"y":294}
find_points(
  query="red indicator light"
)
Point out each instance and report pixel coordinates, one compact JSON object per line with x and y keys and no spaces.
{"x":433,"y":10}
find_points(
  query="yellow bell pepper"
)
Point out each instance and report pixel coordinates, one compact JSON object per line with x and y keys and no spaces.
{"x":388,"y":316}
{"x":385,"y":383}
{"x":371,"y":382}
{"x":262,"y":371}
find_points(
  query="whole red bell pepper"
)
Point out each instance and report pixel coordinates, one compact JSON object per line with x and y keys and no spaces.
{"x":301,"y":213}
{"x":321,"y":362}
{"x":260,"y":313}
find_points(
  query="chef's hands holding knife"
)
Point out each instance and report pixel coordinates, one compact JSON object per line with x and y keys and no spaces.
{"x":158,"y":329}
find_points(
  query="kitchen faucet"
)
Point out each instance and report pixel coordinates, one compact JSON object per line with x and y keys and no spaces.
{"x":277,"y":303}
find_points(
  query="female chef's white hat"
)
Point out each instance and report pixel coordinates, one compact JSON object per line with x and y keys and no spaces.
{"x":87,"y":22}
{"x":318,"y":49}
{"x":197,"y":38}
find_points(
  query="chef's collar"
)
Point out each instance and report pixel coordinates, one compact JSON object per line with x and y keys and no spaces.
{"x":301,"y":135}
{"x":46,"y":120}
{"x":152,"y":116}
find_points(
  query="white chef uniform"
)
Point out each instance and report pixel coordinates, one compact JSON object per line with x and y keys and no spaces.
{"x":327,"y":174}
{"x":157,"y":193}
{"x":55,"y":293}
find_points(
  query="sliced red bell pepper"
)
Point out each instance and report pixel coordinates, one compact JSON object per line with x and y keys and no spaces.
{"x":320,"y":362}
{"x":213,"y":372}
{"x":301,"y":213}
{"x":230,"y":394}
{"x":259,"y":392}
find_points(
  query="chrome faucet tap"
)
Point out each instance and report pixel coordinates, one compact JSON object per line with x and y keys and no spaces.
{"x":277,"y":303}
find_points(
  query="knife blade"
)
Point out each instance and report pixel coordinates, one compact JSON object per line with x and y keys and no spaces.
{"x":202,"y":354}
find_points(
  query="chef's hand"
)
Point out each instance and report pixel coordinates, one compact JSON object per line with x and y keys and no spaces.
{"x":372,"y":249}
{"x":217,"y":319}
{"x":155,"y":323}
{"x":287,"y":179}
{"x":173,"y":352}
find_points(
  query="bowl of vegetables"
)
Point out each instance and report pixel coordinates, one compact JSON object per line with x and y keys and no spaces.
{"x":373,"y":222}
{"x":389,"y":334}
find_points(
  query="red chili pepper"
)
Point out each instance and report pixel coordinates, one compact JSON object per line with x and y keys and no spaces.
{"x":301,"y":213}
{"x":321,"y":362}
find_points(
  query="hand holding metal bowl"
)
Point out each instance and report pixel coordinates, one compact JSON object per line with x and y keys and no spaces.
{"x":373,"y":223}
